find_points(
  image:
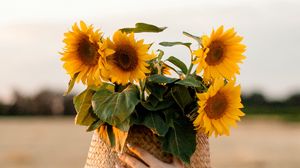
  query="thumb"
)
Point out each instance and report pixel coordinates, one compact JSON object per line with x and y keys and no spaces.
{"x":177,"y":163}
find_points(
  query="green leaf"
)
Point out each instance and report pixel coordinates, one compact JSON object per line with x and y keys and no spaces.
{"x":160,"y":55}
{"x":156,"y":90}
{"x":111,"y":135}
{"x":181,"y":96}
{"x":160,"y":105}
{"x":178,"y":63}
{"x":170,"y":44}
{"x":198,"y":39}
{"x":104,"y":85}
{"x":115,"y":107}
{"x":106,"y":134}
{"x":82,"y":104}
{"x":180,"y":140}
{"x":71,"y":84}
{"x":120,"y":87}
{"x":171,"y":113}
{"x":161,"y":79}
{"x":152,"y":100}
{"x":124,"y":125}
{"x":190,"y":81}
{"x":154,"y":121}
{"x":151,"y":119}
{"x":143,"y":27}
{"x":95,"y":125}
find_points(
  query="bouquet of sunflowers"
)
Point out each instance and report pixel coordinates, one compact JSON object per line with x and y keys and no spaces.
{"x":128,"y":85}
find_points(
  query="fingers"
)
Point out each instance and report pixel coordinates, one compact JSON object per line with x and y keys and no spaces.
{"x":119,"y":166}
{"x":131,"y":161}
{"x":144,"y":155}
{"x":177,"y":163}
{"x":148,"y":159}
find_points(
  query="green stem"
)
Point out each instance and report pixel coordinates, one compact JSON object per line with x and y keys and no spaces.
{"x":179,"y":74}
{"x":204,"y":86}
{"x":142,"y":89}
{"x":190,"y":69}
{"x":191,"y":65}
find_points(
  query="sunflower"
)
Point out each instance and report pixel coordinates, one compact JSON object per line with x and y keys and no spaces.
{"x":166,"y":70}
{"x":81,"y":55}
{"x":125,"y":58}
{"x":219,"y":108}
{"x":220,"y":54}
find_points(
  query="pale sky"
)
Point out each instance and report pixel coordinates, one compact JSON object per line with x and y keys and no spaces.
{"x":31,"y":32}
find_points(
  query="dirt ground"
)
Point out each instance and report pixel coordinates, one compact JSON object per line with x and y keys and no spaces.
{"x":58,"y":143}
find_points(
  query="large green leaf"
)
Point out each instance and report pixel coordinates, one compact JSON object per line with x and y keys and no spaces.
{"x":172,"y":113}
{"x":190,"y":81}
{"x":180,"y":140}
{"x":104,"y":85}
{"x":160,"y":79}
{"x":151,"y":119}
{"x":95,"y":125}
{"x":152,"y":100}
{"x":170,"y":44}
{"x":143,"y":27}
{"x":198,"y":39}
{"x":115,"y":107}
{"x":161,"y":105}
{"x":178,"y":63}
{"x":83,"y":103}
{"x":71,"y":84}
{"x":182,"y":96}
{"x":124,"y":125}
{"x":156,"y":90}
{"x":154,"y":121}
{"x":120,"y":87}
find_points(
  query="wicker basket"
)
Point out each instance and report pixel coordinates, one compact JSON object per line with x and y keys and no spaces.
{"x":100,"y":154}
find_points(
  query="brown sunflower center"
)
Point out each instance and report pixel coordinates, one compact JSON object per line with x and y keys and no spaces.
{"x":215,"y":54}
{"x":216,"y":106}
{"x":88,"y":52}
{"x":126,"y":58}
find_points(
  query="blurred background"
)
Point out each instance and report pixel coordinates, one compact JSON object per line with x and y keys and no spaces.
{"x":36,"y":122}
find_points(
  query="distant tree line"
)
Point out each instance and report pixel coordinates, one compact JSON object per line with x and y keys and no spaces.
{"x":287,"y":109}
{"x":45,"y":102}
{"x":49,"y":102}
{"x":258,"y":99}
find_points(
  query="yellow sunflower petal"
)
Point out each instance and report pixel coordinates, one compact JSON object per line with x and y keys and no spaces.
{"x":125,"y":58}
{"x":80,"y":54}
{"x":224,"y":53}
{"x":219,"y":108}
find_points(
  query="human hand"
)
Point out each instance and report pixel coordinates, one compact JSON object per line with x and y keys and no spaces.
{"x":147,"y":158}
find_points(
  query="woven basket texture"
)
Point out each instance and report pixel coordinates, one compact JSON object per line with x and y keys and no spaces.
{"x":100,"y":155}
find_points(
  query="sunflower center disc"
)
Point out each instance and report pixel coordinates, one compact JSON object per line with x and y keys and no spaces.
{"x":216,"y":106}
{"x":125,"y":58}
{"x":215,"y":53}
{"x":88,"y":52}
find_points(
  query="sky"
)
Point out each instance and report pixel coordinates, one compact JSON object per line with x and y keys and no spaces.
{"x":31,"y":34}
